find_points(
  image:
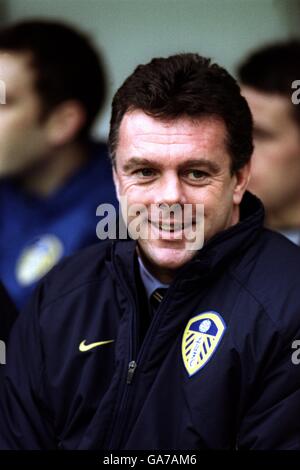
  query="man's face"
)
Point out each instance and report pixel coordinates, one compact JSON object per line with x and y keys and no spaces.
{"x":178,"y":162}
{"x":275,"y":170}
{"x":22,"y":137}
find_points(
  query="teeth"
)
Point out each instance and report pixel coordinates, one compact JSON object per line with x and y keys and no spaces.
{"x":172,"y":228}
{"x":168,"y":227}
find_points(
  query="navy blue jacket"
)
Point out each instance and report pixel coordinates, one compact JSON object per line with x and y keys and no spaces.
{"x":233,"y":312}
{"x":36,"y":232}
{"x":8,"y":314}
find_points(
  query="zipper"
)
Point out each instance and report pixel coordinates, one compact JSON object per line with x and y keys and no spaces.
{"x":118,"y":428}
{"x":120,"y":415}
{"x":132,"y":367}
{"x":119,"y":421}
{"x":131,"y":370}
{"x":153,"y":326}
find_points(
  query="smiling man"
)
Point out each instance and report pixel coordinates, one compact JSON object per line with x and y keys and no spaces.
{"x":147,"y":343}
{"x":181,"y":162}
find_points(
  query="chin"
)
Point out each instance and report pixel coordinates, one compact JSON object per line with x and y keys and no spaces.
{"x":169,"y":258}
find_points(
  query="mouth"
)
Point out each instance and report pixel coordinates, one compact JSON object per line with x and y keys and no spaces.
{"x":170,"y":227}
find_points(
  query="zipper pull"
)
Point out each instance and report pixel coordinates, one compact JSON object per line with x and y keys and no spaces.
{"x":131,"y":369}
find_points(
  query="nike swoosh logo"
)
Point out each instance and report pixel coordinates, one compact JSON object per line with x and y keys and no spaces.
{"x":86,"y":347}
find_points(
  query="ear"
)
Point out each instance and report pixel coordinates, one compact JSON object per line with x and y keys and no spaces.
{"x":65,"y":122}
{"x":117,"y":183}
{"x":242,"y":177}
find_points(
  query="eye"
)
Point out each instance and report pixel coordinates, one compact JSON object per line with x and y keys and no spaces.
{"x":196,"y":175}
{"x":145,"y":172}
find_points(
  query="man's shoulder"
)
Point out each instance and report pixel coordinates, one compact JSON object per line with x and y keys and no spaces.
{"x":270,"y":274}
{"x":76,"y":272}
{"x":272,"y":253}
{"x":276,"y":250}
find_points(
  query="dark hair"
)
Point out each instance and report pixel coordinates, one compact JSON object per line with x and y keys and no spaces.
{"x":272,"y":69}
{"x":65,"y":63}
{"x":186,"y":85}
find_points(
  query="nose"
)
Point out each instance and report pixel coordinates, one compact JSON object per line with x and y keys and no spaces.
{"x":170,"y":190}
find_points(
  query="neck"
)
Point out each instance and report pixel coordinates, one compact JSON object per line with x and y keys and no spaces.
{"x":284,"y":219}
{"x":165,"y":276}
{"x":53,"y":170}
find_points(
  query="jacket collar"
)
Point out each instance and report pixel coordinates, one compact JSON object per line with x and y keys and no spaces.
{"x":227,"y":244}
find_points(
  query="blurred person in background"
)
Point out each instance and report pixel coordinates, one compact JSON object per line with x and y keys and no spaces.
{"x":266,"y":78}
{"x":52,"y":176}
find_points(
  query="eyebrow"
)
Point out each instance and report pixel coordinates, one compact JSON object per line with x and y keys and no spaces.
{"x":136,"y":162}
{"x":213,"y":167}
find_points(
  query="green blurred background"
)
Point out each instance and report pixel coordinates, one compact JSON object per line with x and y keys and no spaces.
{"x":130,"y":32}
